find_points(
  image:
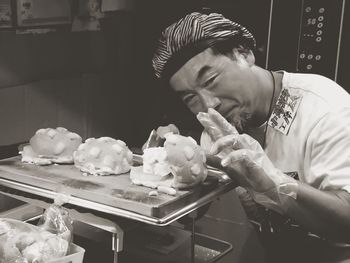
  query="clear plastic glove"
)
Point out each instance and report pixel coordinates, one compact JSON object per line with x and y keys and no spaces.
{"x":157,"y":137}
{"x":215,"y":124}
{"x":243,"y":159}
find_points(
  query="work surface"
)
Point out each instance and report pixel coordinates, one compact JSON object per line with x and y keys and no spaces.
{"x":115,"y":191}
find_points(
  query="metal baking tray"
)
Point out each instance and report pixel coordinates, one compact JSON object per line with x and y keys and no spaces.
{"x":114,"y":195}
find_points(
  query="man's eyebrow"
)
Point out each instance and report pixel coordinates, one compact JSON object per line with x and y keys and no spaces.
{"x":202,"y":71}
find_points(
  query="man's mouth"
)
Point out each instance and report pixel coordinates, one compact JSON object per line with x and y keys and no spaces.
{"x":226,"y":113}
{"x":237,"y":118}
{"x":230,"y":115}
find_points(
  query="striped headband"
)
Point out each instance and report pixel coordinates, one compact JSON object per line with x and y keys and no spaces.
{"x":191,"y":35}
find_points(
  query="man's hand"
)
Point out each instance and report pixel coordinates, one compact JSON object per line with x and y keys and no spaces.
{"x":243,"y":159}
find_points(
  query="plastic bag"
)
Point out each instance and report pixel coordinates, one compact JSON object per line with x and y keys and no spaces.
{"x":157,"y":137}
{"x":25,"y":243}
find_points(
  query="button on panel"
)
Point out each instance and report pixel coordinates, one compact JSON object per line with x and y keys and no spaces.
{"x":320,"y":25}
{"x":320,"y":18}
{"x":319,"y":36}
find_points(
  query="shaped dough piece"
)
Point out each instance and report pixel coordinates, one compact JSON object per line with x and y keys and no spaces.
{"x":50,"y":145}
{"x":180,"y":164}
{"x":186,"y":159}
{"x":103,"y":156}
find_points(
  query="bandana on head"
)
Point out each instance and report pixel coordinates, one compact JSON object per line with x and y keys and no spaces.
{"x":191,"y":35}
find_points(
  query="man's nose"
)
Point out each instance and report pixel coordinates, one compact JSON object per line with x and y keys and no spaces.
{"x":208,"y":100}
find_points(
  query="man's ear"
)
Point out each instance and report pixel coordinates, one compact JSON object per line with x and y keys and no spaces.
{"x":250,"y":57}
{"x":247,"y":54}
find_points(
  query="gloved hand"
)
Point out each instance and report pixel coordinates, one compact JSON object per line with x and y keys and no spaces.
{"x":243,"y":159}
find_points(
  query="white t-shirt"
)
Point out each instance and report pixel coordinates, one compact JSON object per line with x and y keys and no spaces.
{"x":309,"y":131}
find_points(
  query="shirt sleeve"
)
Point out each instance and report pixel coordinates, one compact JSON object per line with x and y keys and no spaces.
{"x":328,"y":151}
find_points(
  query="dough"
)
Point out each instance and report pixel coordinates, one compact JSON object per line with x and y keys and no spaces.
{"x":103,"y":156}
{"x":24,"y":243}
{"x":49,"y":146}
{"x":180,"y":164}
{"x":186,"y":159}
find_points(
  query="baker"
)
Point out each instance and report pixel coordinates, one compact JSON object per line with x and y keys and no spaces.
{"x":283,"y":137}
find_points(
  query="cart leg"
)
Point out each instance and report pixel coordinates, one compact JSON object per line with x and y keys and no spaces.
{"x":115,"y":257}
{"x":193,"y":241}
{"x":117,"y":243}
{"x":190,"y":226}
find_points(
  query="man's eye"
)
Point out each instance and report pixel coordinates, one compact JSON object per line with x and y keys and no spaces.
{"x":188,"y":98}
{"x":210,"y":80}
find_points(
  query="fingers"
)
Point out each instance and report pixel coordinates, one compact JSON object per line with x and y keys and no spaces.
{"x":240,"y":156}
{"x":238,"y":141}
{"x":250,"y":159}
{"x":235,"y":142}
{"x":222,"y":124}
{"x":227,"y":144}
{"x":203,"y":118}
{"x":212,"y":129}
{"x":250,"y":143}
{"x":240,"y":165}
{"x":216,"y":124}
{"x":247,"y":170}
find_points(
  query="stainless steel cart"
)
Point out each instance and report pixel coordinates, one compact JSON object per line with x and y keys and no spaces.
{"x":111,"y":203}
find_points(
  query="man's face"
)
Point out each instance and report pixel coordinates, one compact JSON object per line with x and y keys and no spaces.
{"x":224,"y":83}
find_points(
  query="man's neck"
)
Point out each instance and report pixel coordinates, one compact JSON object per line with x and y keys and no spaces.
{"x":258,"y":132}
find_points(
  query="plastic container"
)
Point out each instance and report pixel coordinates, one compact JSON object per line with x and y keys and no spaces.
{"x":76,"y":255}
{"x":166,"y":244}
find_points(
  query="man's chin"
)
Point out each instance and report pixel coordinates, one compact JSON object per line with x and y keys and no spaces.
{"x":241,"y":125}
{"x":238,"y":120}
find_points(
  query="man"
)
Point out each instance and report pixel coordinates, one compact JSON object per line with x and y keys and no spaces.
{"x":298,"y":163}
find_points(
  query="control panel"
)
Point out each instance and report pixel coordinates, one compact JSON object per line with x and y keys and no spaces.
{"x":320,"y":35}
